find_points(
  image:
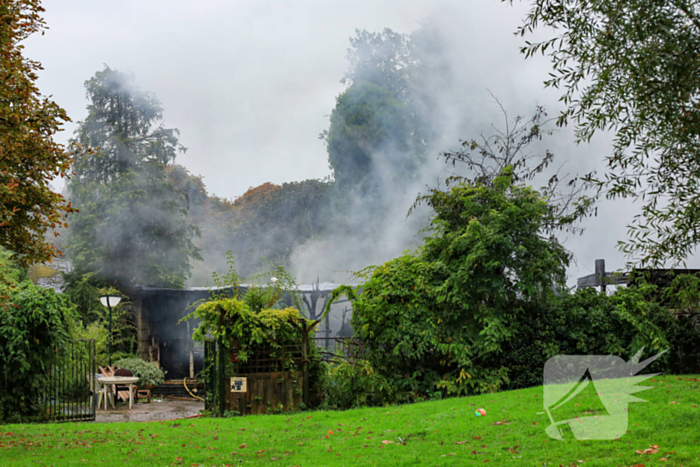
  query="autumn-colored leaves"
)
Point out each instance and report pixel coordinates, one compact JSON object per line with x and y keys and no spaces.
{"x":29,"y":158}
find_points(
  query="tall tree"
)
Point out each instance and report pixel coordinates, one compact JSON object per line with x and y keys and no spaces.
{"x":633,"y":66}
{"x":29,"y":158}
{"x":383,"y":59}
{"x":371,"y":136}
{"x":132,"y":229}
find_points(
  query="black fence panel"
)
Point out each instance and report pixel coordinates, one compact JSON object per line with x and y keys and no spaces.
{"x":70,"y":393}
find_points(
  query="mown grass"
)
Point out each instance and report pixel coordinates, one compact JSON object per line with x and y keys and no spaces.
{"x":430,"y":433}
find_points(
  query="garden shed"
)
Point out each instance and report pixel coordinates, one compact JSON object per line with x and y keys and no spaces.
{"x":163,"y":338}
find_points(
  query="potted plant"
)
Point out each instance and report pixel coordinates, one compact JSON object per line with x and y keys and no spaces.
{"x":148,"y":372}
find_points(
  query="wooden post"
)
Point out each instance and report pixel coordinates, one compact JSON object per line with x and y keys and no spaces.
{"x":191,"y":346}
{"x":600,"y":273}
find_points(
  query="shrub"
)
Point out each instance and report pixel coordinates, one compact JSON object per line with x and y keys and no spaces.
{"x":10,"y":272}
{"x":356,"y":384}
{"x":148,"y":372}
{"x":36,"y":327}
{"x":587,"y":323}
{"x":434,"y":321}
{"x":474,"y":309}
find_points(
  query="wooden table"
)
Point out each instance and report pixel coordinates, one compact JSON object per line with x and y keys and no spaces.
{"x":111,"y":380}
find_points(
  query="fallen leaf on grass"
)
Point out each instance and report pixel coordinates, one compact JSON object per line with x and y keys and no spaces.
{"x":652,"y":449}
{"x":461,"y":442}
{"x":387,"y":442}
{"x":449,"y":454}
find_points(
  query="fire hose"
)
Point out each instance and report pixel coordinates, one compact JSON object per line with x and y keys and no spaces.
{"x":184,"y":383}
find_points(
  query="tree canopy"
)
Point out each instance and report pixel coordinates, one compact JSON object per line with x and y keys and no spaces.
{"x":370,"y":136}
{"x":270,"y":220}
{"x":132,"y":228}
{"x":448,"y":308}
{"x":122,"y":122}
{"x":633,"y":67}
{"x":29,"y":157}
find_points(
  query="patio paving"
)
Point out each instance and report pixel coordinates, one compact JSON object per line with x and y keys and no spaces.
{"x":147,"y":412}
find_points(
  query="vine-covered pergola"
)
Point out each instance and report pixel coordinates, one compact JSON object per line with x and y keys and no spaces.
{"x":270,"y":348}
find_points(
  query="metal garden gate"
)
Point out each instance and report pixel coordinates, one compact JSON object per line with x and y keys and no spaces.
{"x":70,"y":387}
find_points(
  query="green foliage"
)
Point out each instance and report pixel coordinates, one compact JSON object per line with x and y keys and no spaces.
{"x":229,"y":319}
{"x":148,"y":372}
{"x":94,"y":317}
{"x":684,"y":293}
{"x":683,"y":298}
{"x":85,"y":296}
{"x":30,"y":158}
{"x":633,"y":66}
{"x":381,"y":58}
{"x":131,"y":229}
{"x":10,"y":272}
{"x":36,"y":328}
{"x":259,"y":318}
{"x":409,"y":67}
{"x":356,"y":384}
{"x":431,"y":320}
{"x":122,"y":122}
{"x":371,"y":128}
{"x":587,"y":323}
{"x":251,"y":321}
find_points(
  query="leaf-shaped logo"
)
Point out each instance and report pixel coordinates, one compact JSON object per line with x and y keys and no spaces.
{"x":601,"y":386}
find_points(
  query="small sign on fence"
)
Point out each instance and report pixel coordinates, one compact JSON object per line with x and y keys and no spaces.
{"x":239,"y":384}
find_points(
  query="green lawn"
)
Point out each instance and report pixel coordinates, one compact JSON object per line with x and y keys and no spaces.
{"x":431,"y":433}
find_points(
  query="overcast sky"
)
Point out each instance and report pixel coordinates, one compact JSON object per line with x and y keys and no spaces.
{"x":250,"y":84}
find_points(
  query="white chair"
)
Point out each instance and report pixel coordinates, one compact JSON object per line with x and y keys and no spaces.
{"x":100,"y":391}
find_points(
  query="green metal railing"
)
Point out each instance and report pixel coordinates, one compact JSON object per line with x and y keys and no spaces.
{"x":70,"y":391}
